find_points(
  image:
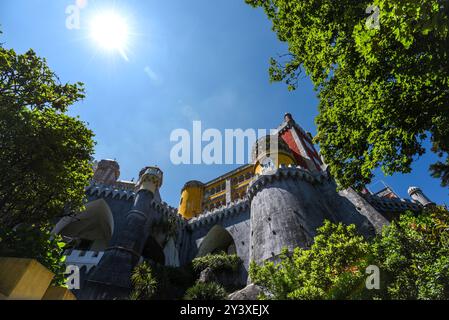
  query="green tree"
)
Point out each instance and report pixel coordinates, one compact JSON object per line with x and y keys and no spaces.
{"x":413,"y":256}
{"x":383,"y":88}
{"x":333,"y":268}
{"x":45,"y":158}
{"x":45,"y":153}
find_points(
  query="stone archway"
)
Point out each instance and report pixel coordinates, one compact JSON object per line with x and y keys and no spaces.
{"x":218,"y":239}
{"x":91,"y":229}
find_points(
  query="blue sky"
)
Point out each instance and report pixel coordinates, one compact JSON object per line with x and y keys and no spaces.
{"x":187,"y":60}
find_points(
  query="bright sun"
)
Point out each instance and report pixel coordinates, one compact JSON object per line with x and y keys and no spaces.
{"x":110,"y":31}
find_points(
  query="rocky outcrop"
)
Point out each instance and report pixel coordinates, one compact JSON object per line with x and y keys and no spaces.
{"x":226,"y":278}
{"x":207,"y":275}
{"x":250,"y":292}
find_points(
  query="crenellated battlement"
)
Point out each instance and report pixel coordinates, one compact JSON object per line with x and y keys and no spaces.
{"x":213,"y":217}
{"x":284,"y":172}
{"x":101,"y":190}
{"x":392,"y":204}
{"x":169,"y":211}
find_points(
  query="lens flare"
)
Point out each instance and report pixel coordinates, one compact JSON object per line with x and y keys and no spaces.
{"x":110,"y":31}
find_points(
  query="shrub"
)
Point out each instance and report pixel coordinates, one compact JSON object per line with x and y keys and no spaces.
{"x":412,"y":255}
{"x":206,"y":291}
{"x":173,"y":281}
{"x":333,"y":268}
{"x":144,"y":283}
{"x":217,"y":262}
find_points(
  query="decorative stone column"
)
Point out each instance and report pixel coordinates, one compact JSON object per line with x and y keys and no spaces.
{"x":111,"y":278}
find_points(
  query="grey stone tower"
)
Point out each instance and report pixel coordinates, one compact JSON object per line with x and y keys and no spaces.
{"x":285,"y":211}
{"x":111,"y":278}
{"x":285,"y":205}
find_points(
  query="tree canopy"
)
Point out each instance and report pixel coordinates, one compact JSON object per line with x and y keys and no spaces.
{"x":45,"y":153}
{"x":413,"y":256}
{"x":381,"y":68}
{"x":45,"y":158}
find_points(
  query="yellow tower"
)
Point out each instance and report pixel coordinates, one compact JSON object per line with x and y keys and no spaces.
{"x":269,"y":153}
{"x":191,"y":203}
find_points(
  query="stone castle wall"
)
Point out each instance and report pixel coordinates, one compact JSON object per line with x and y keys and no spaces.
{"x":283,"y":208}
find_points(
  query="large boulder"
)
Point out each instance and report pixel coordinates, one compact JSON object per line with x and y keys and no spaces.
{"x":250,"y":292}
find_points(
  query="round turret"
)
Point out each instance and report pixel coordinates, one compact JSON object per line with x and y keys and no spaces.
{"x":270,"y":152}
{"x":150,"y":178}
{"x":106,"y":171}
{"x":418,"y":196}
{"x":191,"y":199}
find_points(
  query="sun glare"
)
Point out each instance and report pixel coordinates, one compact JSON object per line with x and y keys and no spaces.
{"x":110,"y":31}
